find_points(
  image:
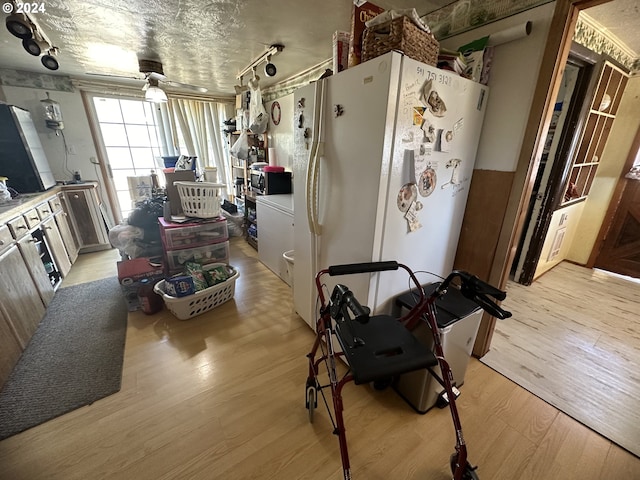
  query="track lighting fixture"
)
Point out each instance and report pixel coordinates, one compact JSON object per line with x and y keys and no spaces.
{"x":19,"y":25}
{"x":34,"y":41}
{"x":36,"y":44}
{"x":269,"y":69}
{"x":49,"y":60}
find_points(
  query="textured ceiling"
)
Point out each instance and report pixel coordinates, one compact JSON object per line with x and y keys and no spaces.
{"x":203,"y":43}
{"x":622,"y":19}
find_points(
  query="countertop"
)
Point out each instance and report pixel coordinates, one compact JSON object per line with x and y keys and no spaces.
{"x":26,"y":201}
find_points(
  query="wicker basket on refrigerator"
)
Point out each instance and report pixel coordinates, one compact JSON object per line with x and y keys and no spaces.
{"x":403,"y":35}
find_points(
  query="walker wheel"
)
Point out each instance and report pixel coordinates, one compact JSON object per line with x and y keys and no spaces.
{"x":311,"y":400}
{"x":469,"y":471}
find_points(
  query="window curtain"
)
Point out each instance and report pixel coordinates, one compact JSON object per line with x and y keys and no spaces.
{"x":195,"y":126}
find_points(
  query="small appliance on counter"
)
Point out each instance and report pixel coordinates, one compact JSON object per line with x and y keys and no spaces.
{"x":270,"y":180}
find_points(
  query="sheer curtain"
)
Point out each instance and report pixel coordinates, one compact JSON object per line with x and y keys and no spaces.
{"x":194,"y":127}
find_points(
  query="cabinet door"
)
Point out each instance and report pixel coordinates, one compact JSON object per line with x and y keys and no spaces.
{"x":10,"y":349}
{"x":67,"y":238}
{"x":34,"y":264}
{"x":56,"y":247}
{"x":87,"y":219}
{"x":21,"y":301}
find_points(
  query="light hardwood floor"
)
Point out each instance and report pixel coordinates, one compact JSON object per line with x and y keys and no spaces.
{"x":221,"y":396}
{"x":574,"y":340}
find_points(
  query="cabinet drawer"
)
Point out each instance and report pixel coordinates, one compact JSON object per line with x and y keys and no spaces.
{"x":215,"y":253}
{"x":55,"y":203}
{"x":44,"y":210}
{"x":5,"y":237}
{"x":18,"y":227}
{"x":32,"y":218}
{"x":197,"y":236}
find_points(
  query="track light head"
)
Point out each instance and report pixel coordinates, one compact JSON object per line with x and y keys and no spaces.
{"x":35,"y":45}
{"x":19,"y":25}
{"x":49,"y":60}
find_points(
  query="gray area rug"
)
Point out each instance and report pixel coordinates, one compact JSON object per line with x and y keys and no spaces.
{"x":73,"y":359}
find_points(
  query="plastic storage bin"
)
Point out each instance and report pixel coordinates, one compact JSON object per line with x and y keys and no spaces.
{"x":458,"y":322}
{"x":200,"y":302}
{"x":214,"y":253}
{"x":195,"y":235}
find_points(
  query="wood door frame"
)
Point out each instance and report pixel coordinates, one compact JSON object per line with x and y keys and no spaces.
{"x":560,"y":165}
{"x":555,"y":55}
{"x":616,"y":198}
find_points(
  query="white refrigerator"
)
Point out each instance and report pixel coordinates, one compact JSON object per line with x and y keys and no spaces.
{"x":383,"y":158}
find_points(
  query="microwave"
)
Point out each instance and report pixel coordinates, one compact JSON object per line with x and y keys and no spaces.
{"x":270,"y":183}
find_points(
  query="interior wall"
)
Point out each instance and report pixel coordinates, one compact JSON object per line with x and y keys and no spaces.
{"x":81,"y":150}
{"x":612,"y":161}
{"x":512,"y":80}
{"x":280,"y":136}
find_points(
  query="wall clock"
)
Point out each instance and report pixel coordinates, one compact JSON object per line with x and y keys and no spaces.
{"x":276,"y":113}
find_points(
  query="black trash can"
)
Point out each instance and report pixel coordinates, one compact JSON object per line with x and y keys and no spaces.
{"x":458,"y":321}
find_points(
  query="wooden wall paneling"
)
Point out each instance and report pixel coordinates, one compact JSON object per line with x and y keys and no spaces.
{"x":488,"y":200}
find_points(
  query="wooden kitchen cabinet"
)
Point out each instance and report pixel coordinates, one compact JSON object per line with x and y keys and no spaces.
{"x":87,"y":222}
{"x":56,"y":246}
{"x":31,"y":254}
{"x":10,"y":349}
{"x":62,"y":221}
{"x":21,"y":303}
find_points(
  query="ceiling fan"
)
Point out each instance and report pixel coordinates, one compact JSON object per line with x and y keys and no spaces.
{"x":154,"y":77}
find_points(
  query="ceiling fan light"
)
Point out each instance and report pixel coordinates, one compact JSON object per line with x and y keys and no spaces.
{"x":155,"y":94}
{"x":19,"y":25}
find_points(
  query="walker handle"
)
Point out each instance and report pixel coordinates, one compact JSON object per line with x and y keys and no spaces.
{"x":370,"y":267}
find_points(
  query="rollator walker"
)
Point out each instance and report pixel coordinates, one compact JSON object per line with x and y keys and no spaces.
{"x":378,"y":348}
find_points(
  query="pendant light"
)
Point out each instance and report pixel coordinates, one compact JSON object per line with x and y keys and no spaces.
{"x":153,"y":93}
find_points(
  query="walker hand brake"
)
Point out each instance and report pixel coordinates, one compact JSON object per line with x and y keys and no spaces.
{"x":479,"y":292}
{"x":342,"y":296}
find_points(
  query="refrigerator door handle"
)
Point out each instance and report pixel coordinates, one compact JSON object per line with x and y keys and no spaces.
{"x":313,"y":168}
{"x":311,"y":189}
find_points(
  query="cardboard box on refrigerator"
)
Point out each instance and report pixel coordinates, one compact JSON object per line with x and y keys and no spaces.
{"x":340,"y":51}
{"x":130,"y":272}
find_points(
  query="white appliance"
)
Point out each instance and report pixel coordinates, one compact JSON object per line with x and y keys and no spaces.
{"x":383,"y":158}
{"x":275,"y":227}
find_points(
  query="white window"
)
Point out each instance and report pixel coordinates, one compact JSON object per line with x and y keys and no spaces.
{"x":130,"y":137}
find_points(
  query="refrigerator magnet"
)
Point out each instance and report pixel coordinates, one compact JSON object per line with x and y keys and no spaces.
{"x":425,"y":90}
{"x":436,"y":104}
{"x":427,"y":182}
{"x":446,"y":139}
{"x":454,"y":164}
{"x":429,"y":131}
{"x":413,"y":223}
{"x":407,"y":195}
{"x":418,"y":112}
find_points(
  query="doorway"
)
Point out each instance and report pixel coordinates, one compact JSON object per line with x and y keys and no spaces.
{"x":559,"y":148}
{"x":619,"y":249}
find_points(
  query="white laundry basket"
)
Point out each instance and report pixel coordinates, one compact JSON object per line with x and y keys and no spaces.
{"x":200,"y":199}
